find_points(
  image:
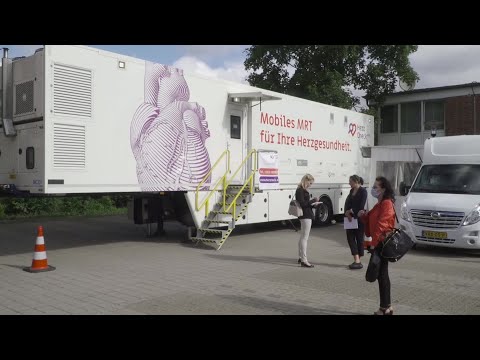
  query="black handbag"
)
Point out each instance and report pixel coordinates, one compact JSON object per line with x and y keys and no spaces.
{"x":373,"y":266}
{"x":396,"y":244}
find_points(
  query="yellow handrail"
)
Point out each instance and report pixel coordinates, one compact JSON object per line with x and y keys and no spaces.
{"x":253,"y":154}
{"x":222,"y":179}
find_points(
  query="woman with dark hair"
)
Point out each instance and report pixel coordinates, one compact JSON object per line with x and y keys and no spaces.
{"x":378,"y":222}
{"x":353,"y":204}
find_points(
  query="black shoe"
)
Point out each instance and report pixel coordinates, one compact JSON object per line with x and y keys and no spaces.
{"x":382,"y":311}
{"x":306,"y":265}
{"x":299,"y":261}
{"x":355,"y":266}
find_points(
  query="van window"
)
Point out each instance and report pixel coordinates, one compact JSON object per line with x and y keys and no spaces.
{"x":448,"y":179}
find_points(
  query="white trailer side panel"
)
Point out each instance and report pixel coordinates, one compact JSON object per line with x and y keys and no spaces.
{"x":179,"y":128}
{"x":313,"y":138}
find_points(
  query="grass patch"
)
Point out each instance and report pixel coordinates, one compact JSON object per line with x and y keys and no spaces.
{"x":13,"y":208}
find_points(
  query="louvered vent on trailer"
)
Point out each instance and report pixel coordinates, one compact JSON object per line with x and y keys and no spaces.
{"x":72,"y":91}
{"x":24,"y":98}
{"x":69,"y":146}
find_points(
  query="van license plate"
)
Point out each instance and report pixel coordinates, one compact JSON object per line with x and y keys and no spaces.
{"x":434,"y":234}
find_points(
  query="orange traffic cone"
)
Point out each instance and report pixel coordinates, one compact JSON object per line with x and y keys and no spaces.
{"x":39,"y":262}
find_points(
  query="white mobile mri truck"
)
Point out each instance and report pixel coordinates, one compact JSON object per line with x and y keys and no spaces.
{"x":210,"y":153}
{"x":443,"y":203}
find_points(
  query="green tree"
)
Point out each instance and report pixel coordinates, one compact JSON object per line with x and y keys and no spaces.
{"x":323,"y":73}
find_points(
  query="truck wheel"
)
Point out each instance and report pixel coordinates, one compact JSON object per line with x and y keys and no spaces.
{"x":324,"y":212}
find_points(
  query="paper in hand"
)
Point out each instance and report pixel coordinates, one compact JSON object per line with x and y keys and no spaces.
{"x":347,"y":225}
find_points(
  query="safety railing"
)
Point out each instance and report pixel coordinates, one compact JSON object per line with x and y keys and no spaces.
{"x":252,"y":154}
{"x":222,"y":180}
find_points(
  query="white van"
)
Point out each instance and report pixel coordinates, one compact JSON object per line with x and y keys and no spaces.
{"x":443,"y":203}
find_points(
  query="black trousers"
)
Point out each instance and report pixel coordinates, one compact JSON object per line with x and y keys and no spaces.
{"x":384,"y":284}
{"x":355,"y":240}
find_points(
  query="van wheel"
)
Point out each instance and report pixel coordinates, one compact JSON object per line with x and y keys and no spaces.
{"x":324,"y":212}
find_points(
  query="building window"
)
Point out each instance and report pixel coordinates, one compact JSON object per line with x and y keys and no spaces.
{"x":434,"y":115}
{"x":389,"y":116}
{"x":411,"y":117}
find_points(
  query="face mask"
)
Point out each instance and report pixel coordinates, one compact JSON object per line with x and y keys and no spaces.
{"x":375,"y":193}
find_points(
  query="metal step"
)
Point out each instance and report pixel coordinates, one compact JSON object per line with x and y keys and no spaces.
{"x":206,"y":240}
{"x":219,"y":221}
{"x":221,"y":212}
{"x":235,"y":191}
{"x":233,"y":195}
{"x":211,"y":230}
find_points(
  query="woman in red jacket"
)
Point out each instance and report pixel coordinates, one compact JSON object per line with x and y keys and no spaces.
{"x":379,"y":221}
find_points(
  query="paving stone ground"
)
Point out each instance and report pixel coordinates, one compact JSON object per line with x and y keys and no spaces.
{"x":106,"y":265}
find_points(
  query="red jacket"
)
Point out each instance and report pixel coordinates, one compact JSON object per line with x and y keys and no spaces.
{"x":379,"y":221}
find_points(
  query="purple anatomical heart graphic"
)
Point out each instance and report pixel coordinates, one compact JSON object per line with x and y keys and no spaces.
{"x":168,"y":133}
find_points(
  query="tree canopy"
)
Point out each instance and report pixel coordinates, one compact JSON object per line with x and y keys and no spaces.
{"x":328,"y":73}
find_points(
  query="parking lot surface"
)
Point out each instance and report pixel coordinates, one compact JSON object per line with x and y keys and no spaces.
{"x":106,"y":265}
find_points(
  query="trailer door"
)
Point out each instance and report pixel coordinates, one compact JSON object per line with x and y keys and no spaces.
{"x":237,"y":140}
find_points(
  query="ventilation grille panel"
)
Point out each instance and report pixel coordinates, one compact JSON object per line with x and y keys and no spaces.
{"x":24,"y":98}
{"x":69,"y":146}
{"x":72,"y":91}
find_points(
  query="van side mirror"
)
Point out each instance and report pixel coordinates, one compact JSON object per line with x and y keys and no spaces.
{"x":404,"y":189}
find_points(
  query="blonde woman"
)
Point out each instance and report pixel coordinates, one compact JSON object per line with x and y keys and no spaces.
{"x":303,"y":197}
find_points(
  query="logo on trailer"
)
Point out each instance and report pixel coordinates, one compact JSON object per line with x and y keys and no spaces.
{"x":352,"y":129}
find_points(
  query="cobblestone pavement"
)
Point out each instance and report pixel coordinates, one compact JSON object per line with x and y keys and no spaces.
{"x":106,"y":265}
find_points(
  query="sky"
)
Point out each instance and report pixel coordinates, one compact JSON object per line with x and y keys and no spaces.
{"x":437,"y":65}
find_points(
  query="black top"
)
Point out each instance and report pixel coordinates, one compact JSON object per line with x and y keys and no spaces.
{"x":303,"y":197}
{"x":356,"y":202}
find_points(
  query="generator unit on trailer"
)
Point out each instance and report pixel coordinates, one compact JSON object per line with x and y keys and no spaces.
{"x":211,"y":153}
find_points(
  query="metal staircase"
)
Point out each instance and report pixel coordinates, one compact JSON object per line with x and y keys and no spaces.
{"x":234,"y":200}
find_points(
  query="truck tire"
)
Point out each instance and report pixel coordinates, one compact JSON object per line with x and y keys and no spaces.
{"x":324,"y":212}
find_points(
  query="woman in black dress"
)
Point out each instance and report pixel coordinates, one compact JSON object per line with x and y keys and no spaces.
{"x":355,"y":202}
